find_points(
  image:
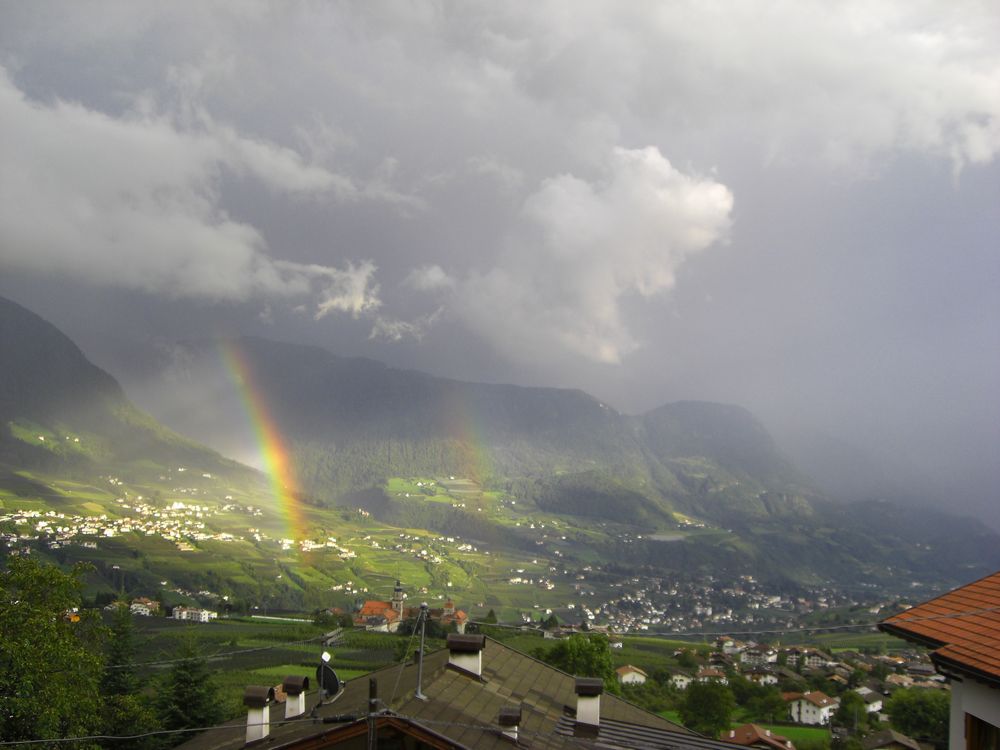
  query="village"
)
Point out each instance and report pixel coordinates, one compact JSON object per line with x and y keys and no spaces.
{"x":584,"y":593}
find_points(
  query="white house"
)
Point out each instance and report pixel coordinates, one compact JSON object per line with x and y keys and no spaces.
{"x":194,"y":615}
{"x":707,"y":674}
{"x":873,"y":700}
{"x":761,"y":676}
{"x":810,"y":658}
{"x":680,"y":681}
{"x":963,"y":626}
{"x":729,"y":646}
{"x":815,"y":708}
{"x":629,"y":675}
{"x":757,"y":655}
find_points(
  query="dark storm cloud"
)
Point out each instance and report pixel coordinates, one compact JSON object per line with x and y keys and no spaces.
{"x":780,"y":205}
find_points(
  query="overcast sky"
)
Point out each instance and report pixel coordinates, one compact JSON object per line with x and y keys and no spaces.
{"x":785,"y":205}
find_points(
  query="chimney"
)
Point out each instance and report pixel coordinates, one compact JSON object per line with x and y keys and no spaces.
{"x":295,"y":688}
{"x":588,"y":700}
{"x":257,"y":699}
{"x":465,"y":652}
{"x":509,"y":719}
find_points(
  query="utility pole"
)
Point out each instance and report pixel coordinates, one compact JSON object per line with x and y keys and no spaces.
{"x":372,"y":708}
{"x":420,"y":659}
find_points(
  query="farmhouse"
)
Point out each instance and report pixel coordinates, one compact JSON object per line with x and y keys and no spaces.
{"x":629,"y":675}
{"x":963,"y":628}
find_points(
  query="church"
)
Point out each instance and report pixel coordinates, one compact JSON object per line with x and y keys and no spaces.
{"x":386,"y":617}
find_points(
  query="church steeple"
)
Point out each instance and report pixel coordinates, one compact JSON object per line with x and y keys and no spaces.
{"x":397,"y":598}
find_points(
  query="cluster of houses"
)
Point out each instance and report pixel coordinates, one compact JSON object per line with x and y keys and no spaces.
{"x":770,"y":666}
{"x":180,"y":523}
{"x":143,"y":606}
{"x":705,"y":601}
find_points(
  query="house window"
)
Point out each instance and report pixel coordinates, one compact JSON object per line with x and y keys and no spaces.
{"x":980,"y":735}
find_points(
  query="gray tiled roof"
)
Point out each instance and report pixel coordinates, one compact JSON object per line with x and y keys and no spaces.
{"x":465,"y":709}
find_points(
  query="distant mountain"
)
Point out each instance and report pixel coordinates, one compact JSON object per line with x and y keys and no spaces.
{"x":44,"y":374}
{"x":709,"y":471}
{"x":59,"y":411}
{"x":352,"y":423}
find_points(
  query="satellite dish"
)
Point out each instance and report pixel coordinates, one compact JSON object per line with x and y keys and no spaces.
{"x":326,"y":678}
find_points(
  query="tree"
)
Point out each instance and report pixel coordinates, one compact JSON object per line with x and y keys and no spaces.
{"x":124,"y":710}
{"x":584,"y":656}
{"x":852,"y":712}
{"x":187,"y":696}
{"x":920,"y":713}
{"x":686,"y":659}
{"x":880,"y":671}
{"x":743,"y":690}
{"x":769,"y":706}
{"x":119,"y":667}
{"x":50,"y":663}
{"x":491,"y":617}
{"x":707,"y":707}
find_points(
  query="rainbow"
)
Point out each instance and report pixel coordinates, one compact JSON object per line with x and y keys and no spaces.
{"x":273,"y":451}
{"x":464,"y":430}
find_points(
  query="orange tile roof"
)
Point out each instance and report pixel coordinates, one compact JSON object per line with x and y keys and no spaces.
{"x":963,"y":625}
{"x":373,"y":608}
{"x":751,"y":734}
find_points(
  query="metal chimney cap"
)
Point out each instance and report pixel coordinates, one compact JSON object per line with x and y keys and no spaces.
{"x":510,"y":716}
{"x":466,"y":644}
{"x":258,"y":696}
{"x":295,"y":684}
{"x":589,"y":686}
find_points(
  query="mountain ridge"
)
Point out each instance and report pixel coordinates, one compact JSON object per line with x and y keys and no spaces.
{"x":351,"y":425}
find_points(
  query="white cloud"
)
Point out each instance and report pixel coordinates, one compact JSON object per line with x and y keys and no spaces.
{"x":134,"y":202}
{"x":349,"y":291}
{"x":583,"y":247}
{"x":395,"y":330}
{"x":428,"y":279}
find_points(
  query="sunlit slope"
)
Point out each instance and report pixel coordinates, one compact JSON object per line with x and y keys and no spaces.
{"x":60,"y":412}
